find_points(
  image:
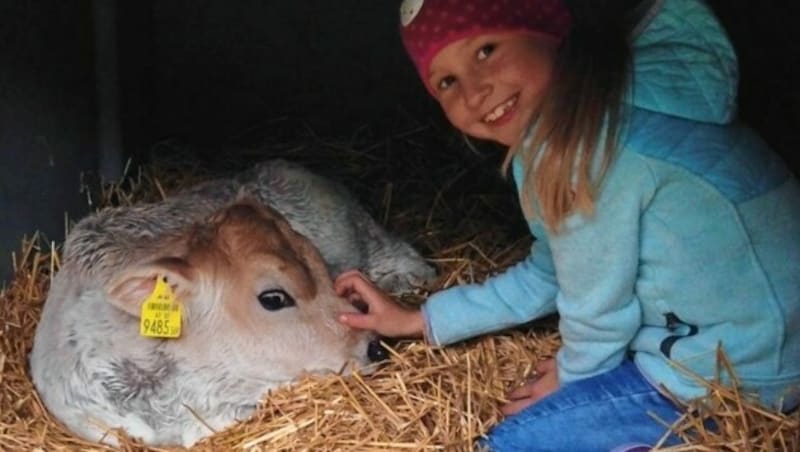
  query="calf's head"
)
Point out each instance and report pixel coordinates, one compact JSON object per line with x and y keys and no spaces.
{"x":256,"y":296}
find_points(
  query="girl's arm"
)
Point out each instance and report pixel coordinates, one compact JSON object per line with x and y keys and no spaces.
{"x":522,"y":293}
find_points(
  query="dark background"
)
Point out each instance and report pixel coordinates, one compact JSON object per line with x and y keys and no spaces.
{"x":86,"y":84}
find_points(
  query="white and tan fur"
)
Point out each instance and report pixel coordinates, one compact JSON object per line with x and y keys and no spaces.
{"x":94,"y":371}
{"x":316,"y":207}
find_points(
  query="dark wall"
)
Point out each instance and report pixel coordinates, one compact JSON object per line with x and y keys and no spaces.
{"x":767,"y":40}
{"x":47,"y":117}
{"x":221,"y":70}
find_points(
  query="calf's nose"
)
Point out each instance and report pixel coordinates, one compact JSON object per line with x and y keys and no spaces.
{"x":376,"y":351}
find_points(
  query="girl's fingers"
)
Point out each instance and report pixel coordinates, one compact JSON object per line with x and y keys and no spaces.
{"x":520,"y":392}
{"x":548,"y":365}
{"x":380,"y":313}
{"x":357,"y":283}
{"x":516,"y":406}
{"x":520,"y":398}
{"x":534,"y":389}
{"x":358,"y":321}
{"x":349,"y":282}
{"x":347,"y":274}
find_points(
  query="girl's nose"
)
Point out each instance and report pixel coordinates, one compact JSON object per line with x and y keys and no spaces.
{"x":475,"y":90}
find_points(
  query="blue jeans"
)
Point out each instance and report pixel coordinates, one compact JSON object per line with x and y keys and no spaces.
{"x":602,"y":413}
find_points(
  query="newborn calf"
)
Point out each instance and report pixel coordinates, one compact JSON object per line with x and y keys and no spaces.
{"x":257,"y":304}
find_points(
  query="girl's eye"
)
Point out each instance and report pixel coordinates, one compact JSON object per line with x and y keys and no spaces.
{"x":274,"y":300}
{"x":485,"y":51}
{"x":446,"y":82}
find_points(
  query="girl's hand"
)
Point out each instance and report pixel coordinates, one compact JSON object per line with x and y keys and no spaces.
{"x":384,"y":315}
{"x":544,"y":383}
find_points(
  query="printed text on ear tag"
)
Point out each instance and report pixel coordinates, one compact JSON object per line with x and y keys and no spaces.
{"x":161,"y":312}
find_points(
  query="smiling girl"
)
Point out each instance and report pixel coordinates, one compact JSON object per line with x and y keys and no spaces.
{"x":664,"y":227}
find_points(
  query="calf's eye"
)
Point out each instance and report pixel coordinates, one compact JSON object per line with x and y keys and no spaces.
{"x":273,"y":300}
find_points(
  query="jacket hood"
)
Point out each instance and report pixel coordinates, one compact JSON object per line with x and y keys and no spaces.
{"x":684,"y":64}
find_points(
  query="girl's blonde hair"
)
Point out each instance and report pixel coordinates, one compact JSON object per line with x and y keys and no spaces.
{"x":579,"y":117}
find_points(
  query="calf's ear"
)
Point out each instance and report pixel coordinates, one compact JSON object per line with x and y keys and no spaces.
{"x":132,"y":287}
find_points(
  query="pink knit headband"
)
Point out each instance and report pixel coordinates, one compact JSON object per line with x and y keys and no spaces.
{"x":427,"y":26}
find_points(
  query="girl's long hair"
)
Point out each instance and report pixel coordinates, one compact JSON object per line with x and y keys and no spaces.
{"x":580,"y":115}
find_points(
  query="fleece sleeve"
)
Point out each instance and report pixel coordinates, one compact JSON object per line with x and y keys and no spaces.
{"x":596,"y":259}
{"x":522,"y":293}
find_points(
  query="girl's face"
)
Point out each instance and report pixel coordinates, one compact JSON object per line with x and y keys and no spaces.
{"x":491,"y":85}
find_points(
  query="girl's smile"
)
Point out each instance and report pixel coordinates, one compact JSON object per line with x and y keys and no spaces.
{"x":490,"y":86}
{"x":503,"y":112}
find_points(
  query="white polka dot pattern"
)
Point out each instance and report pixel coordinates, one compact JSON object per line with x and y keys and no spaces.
{"x":409,"y":10}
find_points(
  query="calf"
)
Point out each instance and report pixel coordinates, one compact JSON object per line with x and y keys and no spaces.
{"x":256,"y":300}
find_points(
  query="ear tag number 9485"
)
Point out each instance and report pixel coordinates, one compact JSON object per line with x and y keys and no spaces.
{"x":161,"y":312}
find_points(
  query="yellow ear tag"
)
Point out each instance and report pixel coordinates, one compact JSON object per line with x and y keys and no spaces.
{"x":161,"y":312}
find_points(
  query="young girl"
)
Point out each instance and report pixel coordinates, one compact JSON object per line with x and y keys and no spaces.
{"x":664,"y":228}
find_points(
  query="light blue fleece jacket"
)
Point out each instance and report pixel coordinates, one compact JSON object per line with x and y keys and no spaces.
{"x":695,"y":239}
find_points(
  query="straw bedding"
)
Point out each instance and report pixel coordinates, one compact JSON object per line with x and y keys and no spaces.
{"x":423,"y":398}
